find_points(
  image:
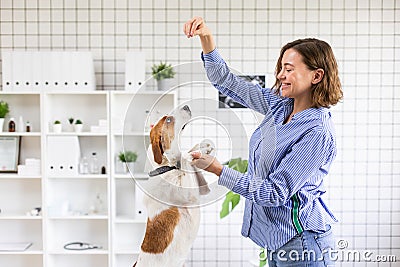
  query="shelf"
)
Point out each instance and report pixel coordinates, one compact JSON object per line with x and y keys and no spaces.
{"x":127,"y":251}
{"x":135,"y":133}
{"x":76,"y":134}
{"x":140,"y":176}
{"x":142,"y":92}
{"x":16,"y":176}
{"x":19,"y":217}
{"x":79,"y":252}
{"x":19,"y":93}
{"x":128,"y":219}
{"x":81,"y":217}
{"x":30,"y":134}
{"x":32,"y":250}
{"x":98,"y":92}
{"x":81,"y":176}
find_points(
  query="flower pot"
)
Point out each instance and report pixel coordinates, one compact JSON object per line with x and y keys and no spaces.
{"x":119,"y":166}
{"x":57,"y":128}
{"x":1,"y":124}
{"x":78,"y":128}
{"x":129,"y":167}
{"x":164,"y":84}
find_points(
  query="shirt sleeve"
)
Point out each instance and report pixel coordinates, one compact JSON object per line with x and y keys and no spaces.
{"x":250,"y":95}
{"x":307,"y":157}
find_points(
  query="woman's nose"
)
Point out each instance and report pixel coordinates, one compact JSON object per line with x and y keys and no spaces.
{"x":280,"y":75}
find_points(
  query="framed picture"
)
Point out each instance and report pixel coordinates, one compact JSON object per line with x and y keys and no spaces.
{"x":9,"y":153}
{"x":227,"y":102}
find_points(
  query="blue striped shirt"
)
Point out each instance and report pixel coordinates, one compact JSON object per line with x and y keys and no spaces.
{"x":287,"y":162}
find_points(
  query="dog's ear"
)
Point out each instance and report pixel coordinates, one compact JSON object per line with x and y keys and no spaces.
{"x":155,"y":139}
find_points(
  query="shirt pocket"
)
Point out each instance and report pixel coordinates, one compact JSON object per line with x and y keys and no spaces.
{"x":326,"y":243}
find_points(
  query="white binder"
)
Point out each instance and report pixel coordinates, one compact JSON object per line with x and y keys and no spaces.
{"x":63,"y":154}
{"x":83,"y":71}
{"x":21,"y":72}
{"x":37,"y":73}
{"x":140,"y":210}
{"x":135,"y":70}
{"x":7,"y":70}
{"x":48,"y":71}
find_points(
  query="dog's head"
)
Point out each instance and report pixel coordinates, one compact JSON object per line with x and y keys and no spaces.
{"x":163,"y":136}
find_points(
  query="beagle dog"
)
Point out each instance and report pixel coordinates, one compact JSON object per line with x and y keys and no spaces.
{"x":173,"y":189}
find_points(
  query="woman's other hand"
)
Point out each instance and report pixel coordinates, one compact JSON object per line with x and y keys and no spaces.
{"x":206,"y":162}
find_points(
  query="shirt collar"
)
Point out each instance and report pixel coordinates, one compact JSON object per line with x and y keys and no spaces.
{"x":307,"y":113}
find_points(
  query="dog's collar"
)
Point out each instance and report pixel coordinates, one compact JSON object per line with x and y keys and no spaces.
{"x":161,"y":170}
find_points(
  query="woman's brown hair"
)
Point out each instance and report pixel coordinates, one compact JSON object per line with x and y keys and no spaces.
{"x":316,"y":54}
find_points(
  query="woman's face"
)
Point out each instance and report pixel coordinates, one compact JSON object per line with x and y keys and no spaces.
{"x":296,"y":79}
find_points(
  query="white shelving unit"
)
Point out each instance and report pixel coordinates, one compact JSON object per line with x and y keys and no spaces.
{"x":20,"y":194}
{"x":71,"y":210}
{"x":77,"y":206}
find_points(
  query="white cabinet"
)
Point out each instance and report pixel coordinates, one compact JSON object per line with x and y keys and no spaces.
{"x":77,"y":204}
{"x":21,"y":194}
{"x":103,"y":209}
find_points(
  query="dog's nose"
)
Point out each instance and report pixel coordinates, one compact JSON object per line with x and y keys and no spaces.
{"x":186,"y":108}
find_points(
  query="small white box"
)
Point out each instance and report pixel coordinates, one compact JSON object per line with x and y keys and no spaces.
{"x":94,"y":129}
{"x":24,"y":170}
{"x":98,"y":129}
{"x":32,"y":162}
{"x":103,"y":123}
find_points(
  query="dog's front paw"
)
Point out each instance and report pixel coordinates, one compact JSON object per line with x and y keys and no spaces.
{"x":206,"y":146}
{"x":187,"y":156}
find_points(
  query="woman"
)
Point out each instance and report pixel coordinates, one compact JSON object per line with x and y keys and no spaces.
{"x":284,"y":212}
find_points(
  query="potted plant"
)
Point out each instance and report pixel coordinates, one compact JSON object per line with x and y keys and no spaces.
{"x":78,"y":126}
{"x":233,"y":199}
{"x":4,"y":109}
{"x":71,"y":123}
{"x":128,"y":158}
{"x":163,"y":73}
{"x":57,"y":126}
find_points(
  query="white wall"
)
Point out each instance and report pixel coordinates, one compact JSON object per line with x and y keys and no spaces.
{"x":364,"y":184}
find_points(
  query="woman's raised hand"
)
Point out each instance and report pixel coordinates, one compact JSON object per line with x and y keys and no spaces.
{"x":196,"y":26}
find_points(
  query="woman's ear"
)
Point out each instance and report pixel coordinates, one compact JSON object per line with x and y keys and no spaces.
{"x":318,"y":75}
{"x":155,"y":139}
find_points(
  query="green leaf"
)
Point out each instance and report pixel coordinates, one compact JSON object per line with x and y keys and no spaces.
{"x":230,"y":202}
{"x":127,"y":156}
{"x":162,"y":71}
{"x":232,"y":199}
{"x":263,"y":258}
{"x":4,"y":109}
{"x":238,"y":164}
